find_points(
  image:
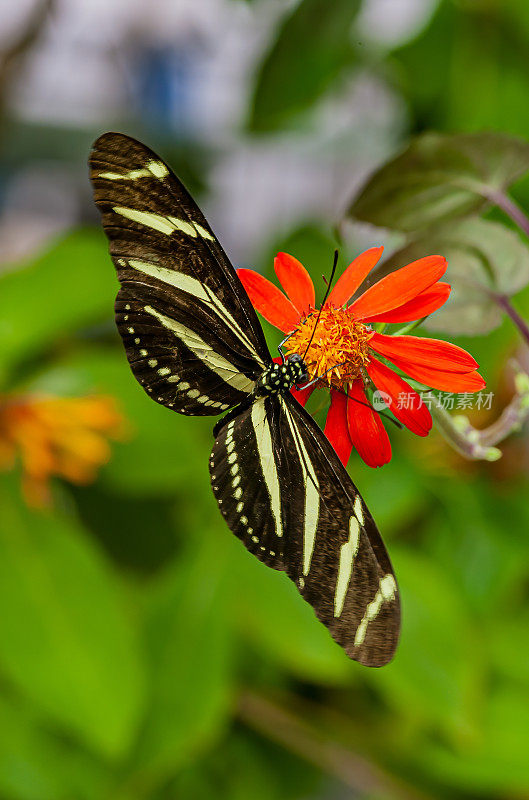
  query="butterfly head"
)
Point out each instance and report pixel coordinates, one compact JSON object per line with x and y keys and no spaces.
{"x":282,"y":377}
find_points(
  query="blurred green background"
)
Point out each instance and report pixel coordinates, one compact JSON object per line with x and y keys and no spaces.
{"x":144,"y":655}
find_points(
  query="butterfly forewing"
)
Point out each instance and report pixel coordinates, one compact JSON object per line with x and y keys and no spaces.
{"x":179,"y":364}
{"x":190,"y":332}
{"x":284,"y":492}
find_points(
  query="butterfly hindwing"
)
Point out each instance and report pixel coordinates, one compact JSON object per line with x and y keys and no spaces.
{"x":181,"y":306}
{"x":284,"y":492}
{"x":245,"y":481}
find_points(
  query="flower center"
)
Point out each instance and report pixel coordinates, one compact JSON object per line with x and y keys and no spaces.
{"x":339,"y":347}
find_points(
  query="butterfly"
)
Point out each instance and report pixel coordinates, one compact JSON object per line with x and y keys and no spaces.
{"x":195,"y":345}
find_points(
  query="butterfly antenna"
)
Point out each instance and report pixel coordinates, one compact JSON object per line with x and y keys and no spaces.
{"x":335,"y":262}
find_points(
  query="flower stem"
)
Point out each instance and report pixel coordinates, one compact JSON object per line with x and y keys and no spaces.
{"x":477,"y":444}
{"x":295,"y":730}
{"x":410,"y":326}
{"x":463,"y":437}
{"x":505,"y":304}
{"x":512,"y":209}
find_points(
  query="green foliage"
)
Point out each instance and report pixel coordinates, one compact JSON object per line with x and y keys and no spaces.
{"x":300,"y":66}
{"x":439,"y":178}
{"x":150,"y":460}
{"x":484,"y":258}
{"x":188,"y":639}
{"x":433,"y":192}
{"x":36,"y":763}
{"x":275,"y":622}
{"x":125,"y":683}
{"x":65,"y":289}
{"x":467,"y":70}
{"x":66,"y":641}
{"x":134,"y":624}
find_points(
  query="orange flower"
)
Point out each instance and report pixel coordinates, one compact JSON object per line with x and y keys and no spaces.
{"x":60,"y":436}
{"x":345,"y":350}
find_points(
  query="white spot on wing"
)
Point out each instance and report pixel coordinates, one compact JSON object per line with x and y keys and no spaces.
{"x":158,"y":169}
{"x":214,"y":361}
{"x":203,"y":232}
{"x":197,"y":289}
{"x":348,"y":552}
{"x":359,"y":511}
{"x":312,"y":495}
{"x":268,"y":464}
{"x":158,"y":222}
{"x":386,"y":593}
{"x":147,"y":218}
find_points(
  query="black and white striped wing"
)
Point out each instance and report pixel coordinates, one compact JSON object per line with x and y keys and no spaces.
{"x":283,"y":491}
{"x":190,"y":332}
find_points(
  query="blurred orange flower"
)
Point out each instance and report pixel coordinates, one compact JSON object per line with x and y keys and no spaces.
{"x":56,"y":436}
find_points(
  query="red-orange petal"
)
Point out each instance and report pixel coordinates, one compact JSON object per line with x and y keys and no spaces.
{"x":336,"y":429}
{"x":366,"y":429}
{"x":421,"y":306}
{"x":296,"y":282}
{"x":399,"y":287}
{"x":416,"y":350}
{"x":269,"y":300}
{"x":350,"y":280}
{"x":405,"y":403}
{"x":441,"y":379}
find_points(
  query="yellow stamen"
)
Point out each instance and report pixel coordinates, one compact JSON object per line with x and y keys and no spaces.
{"x":339,"y":347}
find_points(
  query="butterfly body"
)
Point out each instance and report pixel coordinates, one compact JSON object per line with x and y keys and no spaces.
{"x":282,"y":377}
{"x":195,"y":345}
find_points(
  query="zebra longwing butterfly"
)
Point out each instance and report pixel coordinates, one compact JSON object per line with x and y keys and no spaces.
{"x":195,"y":344}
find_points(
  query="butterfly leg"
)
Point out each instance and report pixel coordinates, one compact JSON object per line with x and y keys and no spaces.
{"x":281,"y":344}
{"x":319,"y":377}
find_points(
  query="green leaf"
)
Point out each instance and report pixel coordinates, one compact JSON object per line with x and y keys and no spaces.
{"x":484,"y":258}
{"x":119,"y":521}
{"x":439,"y":178}
{"x":467,"y":70}
{"x":189,"y":646}
{"x":37,"y":765}
{"x":486,"y":559}
{"x":276,"y":619}
{"x":247,"y":766}
{"x":436,"y":661}
{"x":65,"y":641}
{"x":400,"y":485}
{"x":495,"y":762}
{"x":312,"y":48}
{"x":71,"y":285}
